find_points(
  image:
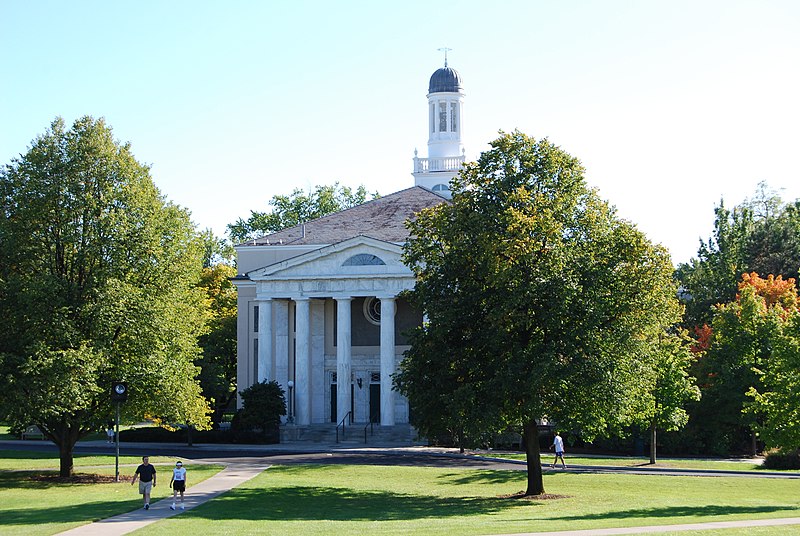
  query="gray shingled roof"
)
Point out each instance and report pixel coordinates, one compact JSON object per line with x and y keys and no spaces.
{"x":381,"y":218}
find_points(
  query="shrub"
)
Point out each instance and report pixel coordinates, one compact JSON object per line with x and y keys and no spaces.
{"x":779,"y":459}
{"x":263,"y":404}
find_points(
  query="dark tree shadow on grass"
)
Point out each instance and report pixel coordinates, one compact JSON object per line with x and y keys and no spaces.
{"x":484,"y":477}
{"x":341,"y":504}
{"x":78,"y":513}
{"x":680,"y":511}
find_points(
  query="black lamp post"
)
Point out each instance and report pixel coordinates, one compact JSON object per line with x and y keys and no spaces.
{"x":290,"y":420}
{"x":119,"y":394}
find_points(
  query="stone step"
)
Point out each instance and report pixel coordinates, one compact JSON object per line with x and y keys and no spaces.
{"x":402,"y":434}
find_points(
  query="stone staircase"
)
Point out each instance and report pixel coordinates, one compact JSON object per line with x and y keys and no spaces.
{"x":376,"y":435}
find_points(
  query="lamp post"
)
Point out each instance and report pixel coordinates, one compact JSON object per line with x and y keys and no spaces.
{"x":290,"y":420}
{"x":119,"y":394}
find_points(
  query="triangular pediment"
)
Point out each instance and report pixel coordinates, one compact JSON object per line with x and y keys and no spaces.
{"x":357,"y":257}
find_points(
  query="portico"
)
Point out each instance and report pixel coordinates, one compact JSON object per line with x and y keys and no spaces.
{"x":305,"y":310}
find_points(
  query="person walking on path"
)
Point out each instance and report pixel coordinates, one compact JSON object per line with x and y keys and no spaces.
{"x":110,"y":433}
{"x":178,"y":483}
{"x":147,"y":480}
{"x":558,"y":444}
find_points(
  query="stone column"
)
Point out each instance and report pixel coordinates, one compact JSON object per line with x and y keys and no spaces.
{"x":265,"y":355}
{"x":388,"y":308}
{"x":302,"y":362}
{"x":343,"y":357}
{"x":282,"y":343}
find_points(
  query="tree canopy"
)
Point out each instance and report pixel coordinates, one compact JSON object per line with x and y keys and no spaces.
{"x":98,"y":283}
{"x":218,"y":344}
{"x":760,"y":235}
{"x":296,"y":208}
{"x":540,"y":302}
{"x":747,"y":350}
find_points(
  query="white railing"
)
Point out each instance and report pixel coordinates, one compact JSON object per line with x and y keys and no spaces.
{"x":447,"y":163}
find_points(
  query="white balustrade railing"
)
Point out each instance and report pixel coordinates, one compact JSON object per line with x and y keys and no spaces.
{"x":448,"y":163}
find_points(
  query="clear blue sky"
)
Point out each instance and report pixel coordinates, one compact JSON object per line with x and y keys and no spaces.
{"x":671,"y":105}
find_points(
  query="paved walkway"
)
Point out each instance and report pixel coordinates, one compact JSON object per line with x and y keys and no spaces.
{"x":230,"y":477}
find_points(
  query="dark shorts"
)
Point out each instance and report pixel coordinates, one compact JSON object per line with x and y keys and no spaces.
{"x":179,"y":485}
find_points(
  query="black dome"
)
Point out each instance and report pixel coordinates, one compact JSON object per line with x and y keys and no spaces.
{"x":445,"y":80}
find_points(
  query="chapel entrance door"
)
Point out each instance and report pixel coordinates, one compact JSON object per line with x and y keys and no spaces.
{"x":333,"y":403}
{"x":375,"y":402}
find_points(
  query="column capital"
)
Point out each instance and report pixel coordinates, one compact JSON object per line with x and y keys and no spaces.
{"x":342,"y":298}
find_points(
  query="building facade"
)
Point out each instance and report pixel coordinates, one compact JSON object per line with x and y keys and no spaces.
{"x":318,"y":304}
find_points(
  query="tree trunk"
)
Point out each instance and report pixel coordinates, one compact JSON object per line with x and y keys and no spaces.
{"x":753,"y":443}
{"x":533,"y":459}
{"x":64,"y":435}
{"x":66,"y":461}
{"x":653,"y":442}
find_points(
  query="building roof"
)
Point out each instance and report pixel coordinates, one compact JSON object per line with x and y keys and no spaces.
{"x":445,"y":80}
{"x":383,"y":218}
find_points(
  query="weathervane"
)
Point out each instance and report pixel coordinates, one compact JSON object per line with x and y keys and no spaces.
{"x":445,"y":50}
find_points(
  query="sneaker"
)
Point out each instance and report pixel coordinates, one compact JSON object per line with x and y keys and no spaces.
{"x":172,"y":506}
{"x":147,"y":507}
{"x":183,"y":507}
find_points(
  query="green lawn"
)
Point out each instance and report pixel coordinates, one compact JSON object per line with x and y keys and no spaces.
{"x":343,"y":500}
{"x":31,"y":503}
{"x":12,"y":460}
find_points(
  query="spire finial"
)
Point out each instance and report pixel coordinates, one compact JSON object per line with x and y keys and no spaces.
{"x":445,"y":50}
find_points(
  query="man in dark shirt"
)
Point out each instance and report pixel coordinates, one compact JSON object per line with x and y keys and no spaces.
{"x":147,"y":479}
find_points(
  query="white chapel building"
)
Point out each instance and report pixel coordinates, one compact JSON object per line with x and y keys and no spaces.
{"x":318,"y":303}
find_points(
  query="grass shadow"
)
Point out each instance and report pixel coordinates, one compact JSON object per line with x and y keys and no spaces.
{"x":484,"y":477}
{"x":86,"y":512}
{"x":302,"y":503}
{"x":679,"y":511}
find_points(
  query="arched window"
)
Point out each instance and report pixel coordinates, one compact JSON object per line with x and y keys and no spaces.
{"x":364,"y":259}
{"x":441,"y":188}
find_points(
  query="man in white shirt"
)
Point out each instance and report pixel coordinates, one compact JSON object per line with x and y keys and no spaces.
{"x":558,"y":444}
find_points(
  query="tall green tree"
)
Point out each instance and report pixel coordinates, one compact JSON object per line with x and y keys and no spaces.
{"x":741,"y":351}
{"x":672,"y":387}
{"x":216,"y":250}
{"x":760,"y":235}
{"x":218,"y":344}
{"x":298,"y":207}
{"x":776,"y":400}
{"x":711,"y":278}
{"x":540,"y":302}
{"x":98,"y":283}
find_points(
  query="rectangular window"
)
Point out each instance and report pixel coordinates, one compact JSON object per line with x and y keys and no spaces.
{"x":453,"y":115}
{"x":255,"y":319}
{"x":433,"y":118}
{"x":442,"y":117}
{"x":255,"y":360}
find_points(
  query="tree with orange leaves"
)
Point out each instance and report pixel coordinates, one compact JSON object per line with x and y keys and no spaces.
{"x":740,"y":361}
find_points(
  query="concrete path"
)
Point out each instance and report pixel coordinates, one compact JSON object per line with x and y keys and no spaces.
{"x":668,"y":528}
{"x":230,"y":477}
